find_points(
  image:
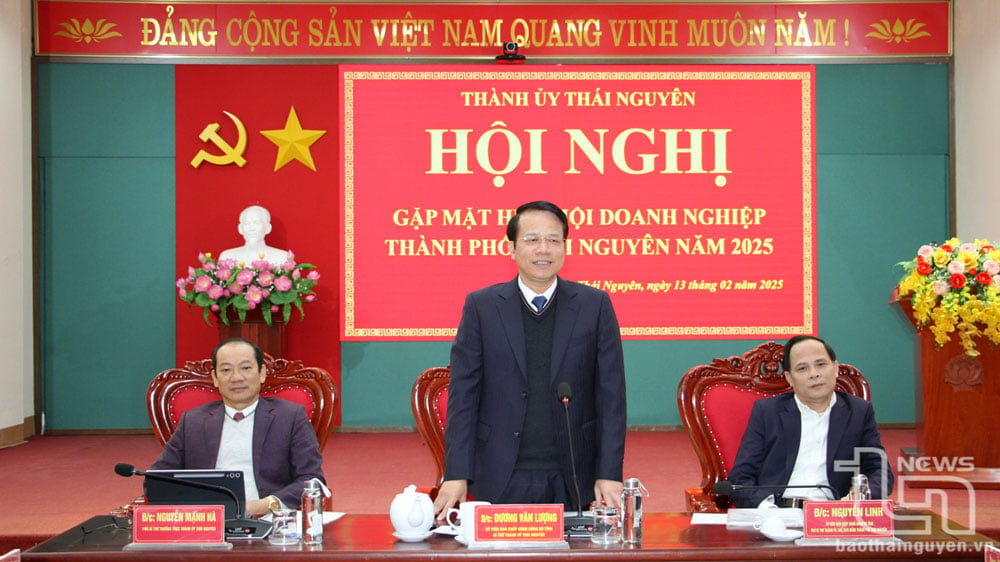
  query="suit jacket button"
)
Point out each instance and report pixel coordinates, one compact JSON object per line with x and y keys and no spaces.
{"x":517,"y":434}
{"x":524,"y":394}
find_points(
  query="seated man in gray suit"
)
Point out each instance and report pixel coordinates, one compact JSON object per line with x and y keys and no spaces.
{"x":269,"y":439}
{"x":795,"y":438}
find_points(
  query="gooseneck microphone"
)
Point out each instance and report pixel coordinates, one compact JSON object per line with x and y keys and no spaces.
{"x":726,"y":488}
{"x":127,"y":470}
{"x":574,"y":522}
{"x":240,"y":527}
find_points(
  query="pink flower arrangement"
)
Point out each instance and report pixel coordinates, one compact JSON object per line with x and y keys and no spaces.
{"x":219,"y":287}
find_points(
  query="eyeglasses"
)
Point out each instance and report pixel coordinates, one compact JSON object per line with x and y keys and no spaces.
{"x":533,"y":241}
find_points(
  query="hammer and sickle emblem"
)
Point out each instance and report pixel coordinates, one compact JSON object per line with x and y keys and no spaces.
{"x":230,"y":154}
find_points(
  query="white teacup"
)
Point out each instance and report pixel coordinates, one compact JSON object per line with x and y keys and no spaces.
{"x":464,"y":525}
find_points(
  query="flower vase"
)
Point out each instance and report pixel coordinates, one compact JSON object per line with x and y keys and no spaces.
{"x":271,"y":338}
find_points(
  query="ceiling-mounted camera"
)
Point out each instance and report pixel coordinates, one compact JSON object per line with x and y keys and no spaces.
{"x":510,"y":55}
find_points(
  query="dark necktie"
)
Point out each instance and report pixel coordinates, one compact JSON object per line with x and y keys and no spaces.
{"x":538,"y":302}
{"x":238,"y":416}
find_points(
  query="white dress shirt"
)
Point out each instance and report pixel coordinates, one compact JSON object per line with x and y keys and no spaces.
{"x":528,"y":294}
{"x":810,"y":464}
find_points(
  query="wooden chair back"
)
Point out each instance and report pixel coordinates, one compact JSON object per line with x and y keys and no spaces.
{"x":429,"y":401}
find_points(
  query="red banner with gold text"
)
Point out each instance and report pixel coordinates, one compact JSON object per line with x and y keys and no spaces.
{"x":546,"y":31}
{"x":690,"y":192}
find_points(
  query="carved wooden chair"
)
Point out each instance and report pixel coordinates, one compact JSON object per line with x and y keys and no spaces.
{"x":715,"y":402}
{"x":430,"y":407}
{"x":175,"y":391}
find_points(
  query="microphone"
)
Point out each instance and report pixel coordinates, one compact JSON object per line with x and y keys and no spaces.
{"x":240,"y":527}
{"x":726,"y":488}
{"x":574,"y":523}
{"x":126,"y":470}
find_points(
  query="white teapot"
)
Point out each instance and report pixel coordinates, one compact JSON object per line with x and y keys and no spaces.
{"x":412,"y":514}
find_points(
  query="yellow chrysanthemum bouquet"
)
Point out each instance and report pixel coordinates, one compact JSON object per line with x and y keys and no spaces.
{"x":955,"y":287}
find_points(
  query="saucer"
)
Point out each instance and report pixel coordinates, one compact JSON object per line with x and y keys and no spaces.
{"x":789,"y":535}
{"x":412,"y":538}
{"x":445,"y":530}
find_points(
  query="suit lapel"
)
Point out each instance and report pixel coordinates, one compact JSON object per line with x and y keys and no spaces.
{"x":264,"y":416}
{"x":567,"y":310}
{"x":839,"y":416}
{"x":791,"y":423}
{"x":212,"y":430}
{"x":509,"y":310}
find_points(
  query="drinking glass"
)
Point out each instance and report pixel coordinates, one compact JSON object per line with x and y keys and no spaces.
{"x":607,"y":526}
{"x":284,"y":528}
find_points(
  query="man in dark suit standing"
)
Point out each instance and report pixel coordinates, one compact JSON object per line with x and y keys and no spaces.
{"x":796,"y":438}
{"x":270,"y":439}
{"x":505,"y":438}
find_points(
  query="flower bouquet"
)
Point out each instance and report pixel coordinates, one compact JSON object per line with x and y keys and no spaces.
{"x":955,"y":287}
{"x":217,"y":287}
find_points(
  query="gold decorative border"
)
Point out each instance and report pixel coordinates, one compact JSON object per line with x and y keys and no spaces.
{"x":804,"y":77}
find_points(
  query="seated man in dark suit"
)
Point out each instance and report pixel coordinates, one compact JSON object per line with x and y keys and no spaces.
{"x":270,"y":439}
{"x":795,"y":438}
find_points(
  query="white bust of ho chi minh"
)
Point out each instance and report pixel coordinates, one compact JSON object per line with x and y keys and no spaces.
{"x":255,"y":225}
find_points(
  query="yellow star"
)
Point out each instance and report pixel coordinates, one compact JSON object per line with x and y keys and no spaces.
{"x":293,"y":142}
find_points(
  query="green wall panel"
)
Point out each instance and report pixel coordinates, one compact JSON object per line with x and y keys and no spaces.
{"x":107,"y":228}
{"x":875,"y":211}
{"x":882,"y":109}
{"x":376,"y":379}
{"x":108,"y":300}
{"x":107,"y":110}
